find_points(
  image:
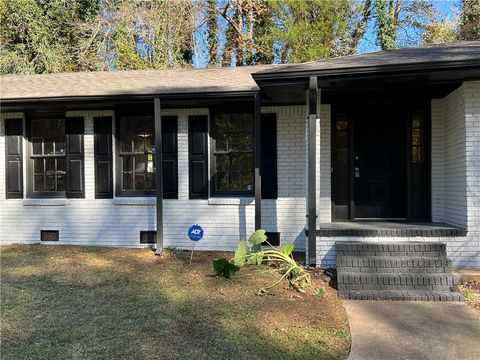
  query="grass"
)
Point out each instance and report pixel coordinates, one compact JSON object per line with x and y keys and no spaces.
{"x":471,"y":291}
{"x":61,"y":302}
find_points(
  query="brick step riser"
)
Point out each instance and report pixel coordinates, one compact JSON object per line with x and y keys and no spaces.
{"x":392,"y":262}
{"x":430,"y":254}
{"x":396,"y":270}
{"x":403,"y":296}
{"x":444,"y":288}
{"x":396,"y":279}
{"x":391,"y":248}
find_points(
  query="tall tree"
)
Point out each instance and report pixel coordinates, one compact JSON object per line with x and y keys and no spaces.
{"x":309,"y":30}
{"x":212,"y":31}
{"x":411,"y":17}
{"x":49,"y":36}
{"x":469,"y":27}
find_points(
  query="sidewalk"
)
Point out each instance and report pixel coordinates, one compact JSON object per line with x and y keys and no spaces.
{"x":413,"y":330}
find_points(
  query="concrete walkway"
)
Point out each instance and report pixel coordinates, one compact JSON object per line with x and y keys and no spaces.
{"x":391,"y":330}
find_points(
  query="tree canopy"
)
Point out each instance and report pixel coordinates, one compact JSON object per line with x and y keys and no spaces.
{"x":43,"y":36}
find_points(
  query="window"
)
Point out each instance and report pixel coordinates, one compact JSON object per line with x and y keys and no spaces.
{"x":55,"y":166}
{"x":48,"y":156}
{"x":233,"y":154}
{"x":418,"y":146}
{"x":136,"y":156}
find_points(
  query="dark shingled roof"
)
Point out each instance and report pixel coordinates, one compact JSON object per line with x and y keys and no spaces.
{"x":222,"y":80}
{"x":461,"y":52}
{"x":139,"y":82}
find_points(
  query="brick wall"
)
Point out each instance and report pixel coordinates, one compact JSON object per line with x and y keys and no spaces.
{"x":117,"y":222}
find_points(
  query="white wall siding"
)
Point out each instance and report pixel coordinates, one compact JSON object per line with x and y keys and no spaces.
{"x":117,"y":222}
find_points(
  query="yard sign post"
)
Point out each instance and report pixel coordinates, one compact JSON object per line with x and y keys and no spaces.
{"x":195,"y":233}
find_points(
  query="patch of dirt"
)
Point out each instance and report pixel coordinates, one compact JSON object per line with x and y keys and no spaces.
{"x":471,"y":291}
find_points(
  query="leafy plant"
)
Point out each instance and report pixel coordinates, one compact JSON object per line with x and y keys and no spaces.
{"x":223,"y":267}
{"x":320,"y":293}
{"x":253,"y":253}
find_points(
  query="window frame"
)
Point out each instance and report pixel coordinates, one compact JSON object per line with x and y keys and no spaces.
{"x":212,"y":152}
{"x":30,"y":156}
{"x":139,"y":110}
{"x":119,"y":191}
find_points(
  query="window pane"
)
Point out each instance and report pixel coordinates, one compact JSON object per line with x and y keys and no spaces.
{"x":38,"y":128}
{"x":38,"y":166}
{"x":139,"y":143}
{"x":139,"y":163}
{"x":241,"y":142}
{"x":247,"y":181}
{"x":150,"y":181}
{"x":59,"y":147}
{"x":50,"y":164}
{"x":342,"y":138}
{"x":148,"y":125}
{"x":150,"y":163}
{"x":127,"y":181}
{"x":241,"y":161}
{"x":234,"y":181}
{"x":61,"y":165}
{"x":37,"y":146}
{"x":221,"y":162}
{"x":149,"y":142}
{"x":242,"y":122}
{"x":221,"y":143}
{"x":48,"y":146}
{"x":139,"y":182}
{"x":38,"y":183}
{"x":50,"y":183}
{"x":417,"y":154}
{"x":342,"y":124}
{"x":417,"y":136}
{"x":127,"y":162}
{"x":221,"y":183}
{"x":127,"y":143}
{"x":417,"y":119}
{"x":60,"y":182}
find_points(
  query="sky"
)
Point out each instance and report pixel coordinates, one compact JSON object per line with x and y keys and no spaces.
{"x":446,"y":9}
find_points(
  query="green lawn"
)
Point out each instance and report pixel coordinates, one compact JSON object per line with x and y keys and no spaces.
{"x":60,"y":302}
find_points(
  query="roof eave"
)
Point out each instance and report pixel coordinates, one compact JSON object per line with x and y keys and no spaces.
{"x":366,"y":70}
{"x":119,"y":97}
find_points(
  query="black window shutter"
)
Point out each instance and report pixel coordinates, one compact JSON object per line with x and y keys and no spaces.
{"x":74,"y":157}
{"x":198,"y":156}
{"x":13,"y":158}
{"x":103,"y":157}
{"x":170,"y":157}
{"x":269,"y":156}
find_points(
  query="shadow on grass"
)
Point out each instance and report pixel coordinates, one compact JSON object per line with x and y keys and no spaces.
{"x":83,"y":303}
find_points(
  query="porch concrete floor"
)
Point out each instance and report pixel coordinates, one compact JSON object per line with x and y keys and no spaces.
{"x":413,"y":330}
{"x":385,"y":225}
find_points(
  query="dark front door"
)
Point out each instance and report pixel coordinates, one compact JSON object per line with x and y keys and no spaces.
{"x":379,"y":164}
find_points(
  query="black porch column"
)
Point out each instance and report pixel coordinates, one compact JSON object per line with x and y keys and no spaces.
{"x":257,"y":158}
{"x":312,"y":175}
{"x":159,"y":174}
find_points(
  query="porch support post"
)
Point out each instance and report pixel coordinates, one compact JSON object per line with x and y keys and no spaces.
{"x":312,"y":175}
{"x":257,"y":154}
{"x":159,"y":174}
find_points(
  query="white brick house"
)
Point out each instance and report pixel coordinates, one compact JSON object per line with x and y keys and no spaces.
{"x":397,"y":139}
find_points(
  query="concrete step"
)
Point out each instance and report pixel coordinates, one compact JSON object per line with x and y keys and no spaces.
{"x":401,"y":295}
{"x":398,"y":249}
{"x":393,"y":264}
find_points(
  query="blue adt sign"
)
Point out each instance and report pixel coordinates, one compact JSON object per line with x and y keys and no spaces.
{"x":195,"y":232}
